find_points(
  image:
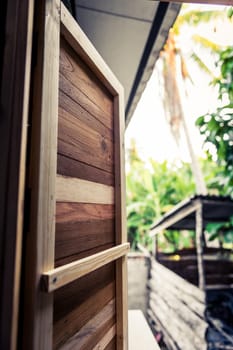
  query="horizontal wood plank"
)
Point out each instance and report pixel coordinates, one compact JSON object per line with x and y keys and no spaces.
{"x":81,"y":191}
{"x":63,"y":275}
{"x":106,"y":340}
{"x":83,"y":237}
{"x":82,"y":227}
{"x":77,"y":256}
{"x":111,"y":345}
{"x":74,"y":319}
{"x":77,"y":292}
{"x":79,"y":141}
{"x":78,"y":212}
{"x":178,"y":281}
{"x":82,"y":78}
{"x":79,"y":41}
{"x":73,"y":168}
{"x":180,"y":332}
{"x":95,"y":334}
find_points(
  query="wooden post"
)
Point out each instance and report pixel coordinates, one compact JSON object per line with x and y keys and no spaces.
{"x":16,"y":33}
{"x":38,"y":319}
{"x":120,"y":226}
{"x":199,"y":247}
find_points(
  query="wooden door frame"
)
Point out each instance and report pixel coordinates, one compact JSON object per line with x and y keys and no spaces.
{"x":53,"y":21}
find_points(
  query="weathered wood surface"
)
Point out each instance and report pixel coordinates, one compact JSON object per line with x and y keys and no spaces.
{"x":79,"y":302}
{"x":69,"y":189}
{"x":83,"y":134}
{"x":179,"y":307}
{"x":97,"y":333}
{"x":90,"y":312}
{"x":42,"y":173}
{"x":218,"y":267}
{"x":82,"y":227}
{"x":68,"y":167}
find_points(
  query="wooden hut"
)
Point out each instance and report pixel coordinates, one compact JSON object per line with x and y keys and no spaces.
{"x":187,"y":285}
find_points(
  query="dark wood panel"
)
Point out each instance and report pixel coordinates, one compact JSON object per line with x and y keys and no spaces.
{"x":78,"y":291}
{"x":111,"y":345}
{"x":71,"y":258}
{"x":77,"y":212}
{"x":79,"y":141}
{"x":78,"y":314}
{"x":83,"y":227}
{"x":73,"y":168}
{"x":95,"y":331}
{"x":77,"y":80}
{"x":85,"y":236}
{"x":75,"y":109}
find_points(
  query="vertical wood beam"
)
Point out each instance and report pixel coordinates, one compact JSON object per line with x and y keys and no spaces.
{"x":120,"y":224}
{"x":38,"y":325}
{"x":199,"y":247}
{"x":16,"y":17}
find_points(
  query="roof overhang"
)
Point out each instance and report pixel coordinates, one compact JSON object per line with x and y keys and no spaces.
{"x":129,"y":35}
{"x":215,"y":209}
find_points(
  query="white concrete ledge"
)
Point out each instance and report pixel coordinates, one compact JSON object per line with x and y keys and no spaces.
{"x":140,"y":335}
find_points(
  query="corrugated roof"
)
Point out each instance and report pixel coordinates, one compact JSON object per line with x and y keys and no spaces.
{"x":215,"y":209}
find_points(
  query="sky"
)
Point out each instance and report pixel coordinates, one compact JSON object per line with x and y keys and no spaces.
{"x":148,"y":125}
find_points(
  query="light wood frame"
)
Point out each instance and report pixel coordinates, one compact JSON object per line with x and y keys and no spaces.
{"x":38,"y":320}
{"x":79,"y":42}
{"x":48,"y":187}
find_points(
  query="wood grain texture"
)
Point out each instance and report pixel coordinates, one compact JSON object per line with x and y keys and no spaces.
{"x":15,"y":63}
{"x":82,"y":78}
{"x":80,"y":43}
{"x":97,"y":333}
{"x":81,"y":191}
{"x":112,"y":345}
{"x":120,"y":224}
{"x":107,"y":338}
{"x":79,"y":141}
{"x":63,"y":275}
{"x":78,"y":291}
{"x":41,"y":235}
{"x":72,"y":168}
{"x":81,"y":313}
{"x":179,"y":307}
{"x":77,"y":256}
{"x":81,"y":227}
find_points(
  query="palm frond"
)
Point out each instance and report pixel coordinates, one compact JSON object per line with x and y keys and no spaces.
{"x":206,"y":43}
{"x":201,"y":64}
{"x":195,"y":17}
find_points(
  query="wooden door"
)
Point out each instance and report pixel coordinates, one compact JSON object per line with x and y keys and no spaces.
{"x":76,"y":274}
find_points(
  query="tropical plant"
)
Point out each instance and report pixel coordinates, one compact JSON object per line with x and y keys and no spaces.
{"x":217,"y":130}
{"x":175,"y":74}
{"x":217,"y":127}
{"x":153,"y":190}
